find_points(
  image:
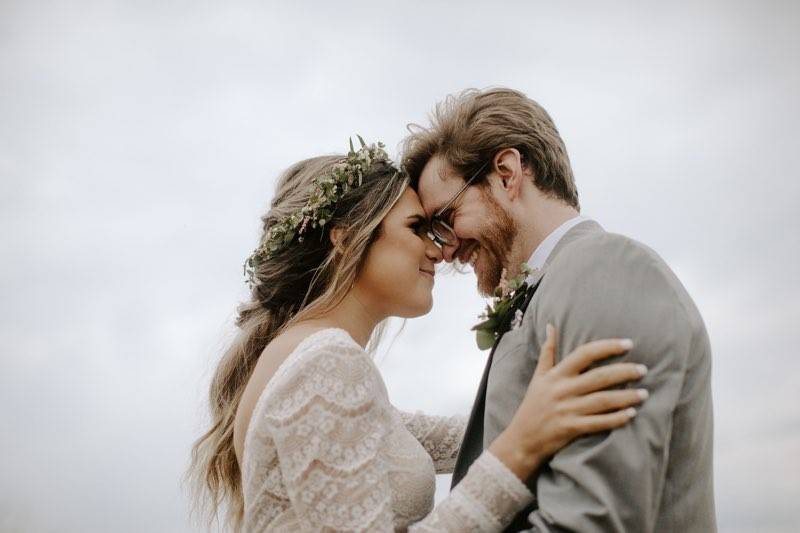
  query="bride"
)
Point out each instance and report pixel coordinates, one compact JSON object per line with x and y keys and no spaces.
{"x":303,"y":435}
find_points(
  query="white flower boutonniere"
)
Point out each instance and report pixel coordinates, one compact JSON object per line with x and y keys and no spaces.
{"x":517,"y":321}
{"x":503,"y":310}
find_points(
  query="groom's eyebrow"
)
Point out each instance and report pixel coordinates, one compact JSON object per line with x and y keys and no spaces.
{"x":437,"y":208}
{"x":444,"y":215}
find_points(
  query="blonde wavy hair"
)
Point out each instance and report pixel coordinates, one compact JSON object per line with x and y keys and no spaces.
{"x":300,"y":282}
{"x":467,"y":130}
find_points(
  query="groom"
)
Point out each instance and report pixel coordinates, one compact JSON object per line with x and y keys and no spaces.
{"x":493,"y":174}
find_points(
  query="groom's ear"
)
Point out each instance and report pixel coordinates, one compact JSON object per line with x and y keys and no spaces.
{"x":509,"y":168}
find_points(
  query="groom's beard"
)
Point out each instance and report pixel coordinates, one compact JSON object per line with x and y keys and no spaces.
{"x":496,"y":241}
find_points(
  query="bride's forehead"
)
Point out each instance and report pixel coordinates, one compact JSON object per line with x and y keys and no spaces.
{"x":408,"y":204}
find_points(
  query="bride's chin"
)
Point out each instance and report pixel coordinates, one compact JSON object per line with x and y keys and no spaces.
{"x":424,"y":308}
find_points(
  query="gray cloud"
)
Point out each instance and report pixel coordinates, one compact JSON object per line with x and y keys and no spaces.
{"x":139,"y":144}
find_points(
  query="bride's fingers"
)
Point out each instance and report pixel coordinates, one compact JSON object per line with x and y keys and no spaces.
{"x":595,"y":423}
{"x":586,"y":354}
{"x":605,"y":401}
{"x":547,"y":355}
{"x":604,"y":377}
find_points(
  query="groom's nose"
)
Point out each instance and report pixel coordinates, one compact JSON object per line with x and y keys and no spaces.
{"x":449,"y":251}
{"x":433,"y":252}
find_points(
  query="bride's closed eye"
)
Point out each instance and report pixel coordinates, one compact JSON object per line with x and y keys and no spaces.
{"x":419,"y":225}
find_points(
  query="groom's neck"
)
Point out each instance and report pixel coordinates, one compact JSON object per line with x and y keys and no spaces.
{"x":542,"y":220}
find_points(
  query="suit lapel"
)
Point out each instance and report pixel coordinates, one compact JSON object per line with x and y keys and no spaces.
{"x":472,"y":443}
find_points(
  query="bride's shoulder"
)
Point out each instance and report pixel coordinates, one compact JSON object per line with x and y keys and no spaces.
{"x":294,"y":361}
{"x":308,"y":339}
{"x":305,"y":346}
{"x":325,"y":364}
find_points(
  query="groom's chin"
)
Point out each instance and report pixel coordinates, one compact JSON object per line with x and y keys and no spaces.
{"x":487,"y":283}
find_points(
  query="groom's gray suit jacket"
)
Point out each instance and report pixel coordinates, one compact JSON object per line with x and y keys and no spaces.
{"x":654,"y":474}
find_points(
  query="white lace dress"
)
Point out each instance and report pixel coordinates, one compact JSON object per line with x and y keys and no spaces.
{"x":327,"y":451}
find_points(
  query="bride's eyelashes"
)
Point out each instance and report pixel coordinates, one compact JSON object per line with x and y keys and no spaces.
{"x":419,"y":226}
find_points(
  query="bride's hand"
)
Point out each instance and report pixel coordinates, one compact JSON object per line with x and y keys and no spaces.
{"x":564,"y":401}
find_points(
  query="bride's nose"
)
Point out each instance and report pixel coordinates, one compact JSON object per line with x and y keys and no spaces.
{"x":433,"y":252}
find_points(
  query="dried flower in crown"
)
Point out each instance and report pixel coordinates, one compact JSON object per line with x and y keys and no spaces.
{"x":327,"y":189}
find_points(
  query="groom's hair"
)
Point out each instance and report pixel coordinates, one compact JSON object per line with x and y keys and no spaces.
{"x":469,"y":128}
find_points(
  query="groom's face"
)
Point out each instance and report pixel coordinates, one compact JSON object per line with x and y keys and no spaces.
{"x":484,"y":232}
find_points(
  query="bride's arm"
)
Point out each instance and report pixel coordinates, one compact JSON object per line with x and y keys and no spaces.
{"x":440,"y":436}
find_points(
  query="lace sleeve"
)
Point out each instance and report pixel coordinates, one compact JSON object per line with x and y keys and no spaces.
{"x":440,"y":436}
{"x":329,"y":418}
{"x":486,"y":499}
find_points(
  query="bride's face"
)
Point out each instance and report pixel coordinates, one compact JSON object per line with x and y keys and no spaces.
{"x":398,"y":273}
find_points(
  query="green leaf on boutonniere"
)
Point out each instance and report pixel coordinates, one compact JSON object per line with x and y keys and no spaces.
{"x":488,"y":324}
{"x":485,"y":339}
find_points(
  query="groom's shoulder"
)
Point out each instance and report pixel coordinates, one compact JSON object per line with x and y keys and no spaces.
{"x":599,"y":249}
{"x":614,"y":260}
{"x":624,"y":266}
{"x":615,"y":272}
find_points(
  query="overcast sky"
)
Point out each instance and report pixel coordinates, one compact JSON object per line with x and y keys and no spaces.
{"x":139,"y":143}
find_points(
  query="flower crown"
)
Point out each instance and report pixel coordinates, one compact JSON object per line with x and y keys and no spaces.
{"x":327,"y":189}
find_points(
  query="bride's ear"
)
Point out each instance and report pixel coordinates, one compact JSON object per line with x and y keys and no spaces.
{"x":336,"y":236}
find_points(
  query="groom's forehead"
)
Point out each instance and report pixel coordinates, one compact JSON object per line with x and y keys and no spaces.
{"x":437,"y":184}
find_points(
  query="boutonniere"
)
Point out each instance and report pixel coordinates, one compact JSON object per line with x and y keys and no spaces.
{"x":503,"y":310}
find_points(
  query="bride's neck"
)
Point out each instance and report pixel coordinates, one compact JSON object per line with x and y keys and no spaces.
{"x":353,"y":316}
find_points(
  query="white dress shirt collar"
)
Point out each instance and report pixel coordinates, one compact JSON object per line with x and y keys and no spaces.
{"x":545,"y":248}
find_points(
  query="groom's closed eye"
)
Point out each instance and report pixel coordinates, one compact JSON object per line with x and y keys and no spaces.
{"x":446,"y":216}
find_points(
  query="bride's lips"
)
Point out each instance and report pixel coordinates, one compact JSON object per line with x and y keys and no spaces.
{"x":431,"y":272}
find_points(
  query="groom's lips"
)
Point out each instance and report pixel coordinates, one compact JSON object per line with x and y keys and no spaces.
{"x":431,"y":272}
{"x":464,"y":256}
